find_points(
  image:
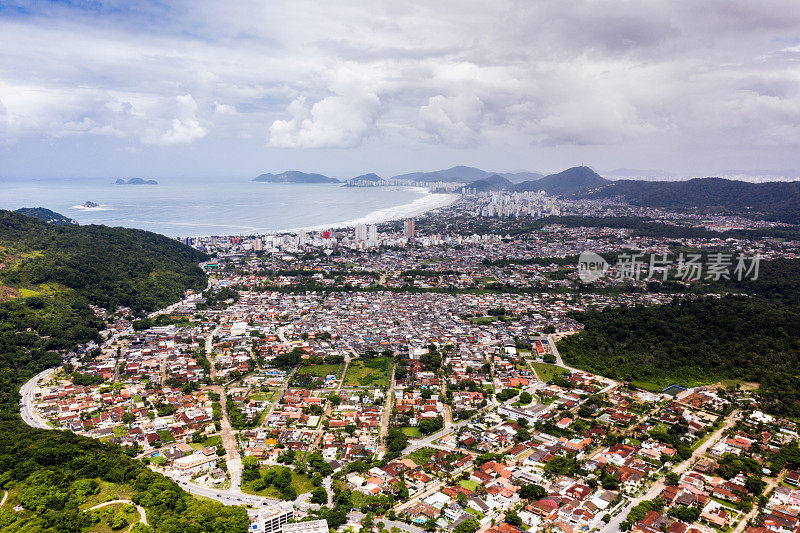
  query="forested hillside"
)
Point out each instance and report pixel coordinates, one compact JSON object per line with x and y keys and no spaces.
{"x":751,"y":338}
{"x":56,"y":475}
{"x":109,"y":266}
{"x":768,"y":201}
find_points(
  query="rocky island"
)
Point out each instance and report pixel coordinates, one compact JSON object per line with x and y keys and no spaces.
{"x":294,"y":176}
{"x":135,"y":181}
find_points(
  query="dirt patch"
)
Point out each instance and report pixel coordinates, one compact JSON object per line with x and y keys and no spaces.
{"x":8,"y":293}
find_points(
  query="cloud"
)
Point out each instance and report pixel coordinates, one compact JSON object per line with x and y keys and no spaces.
{"x":465,"y":75}
{"x":184,"y":129}
{"x":333,"y":122}
{"x":454,"y":121}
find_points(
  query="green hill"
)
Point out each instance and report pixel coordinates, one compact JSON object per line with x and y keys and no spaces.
{"x":47,"y":215}
{"x":109,"y":266}
{"x":778,"y":201}
{"x":753,"y":338}
{"x":54,"y":475}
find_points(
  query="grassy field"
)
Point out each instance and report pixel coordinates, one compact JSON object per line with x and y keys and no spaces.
{"x":546,"y":371}
{"x":108,"y":492}
{"x":265,"y":396}
{"x":411,"y":432}
{"x":367,"y":373}
{"x":321,"y":371}
{"x":423,"y":455}
{"x":165,"y":436}
{"x":469,"y":484}
{"x":301,"y":483}
{"x":215,"y":441}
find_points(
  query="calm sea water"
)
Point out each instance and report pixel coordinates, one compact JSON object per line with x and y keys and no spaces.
{"x":204,"y":207}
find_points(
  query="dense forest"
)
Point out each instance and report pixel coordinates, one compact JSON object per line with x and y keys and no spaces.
{"x":109,"y":266}
{"x":691,"y":341}
{"x":51,"y":474}
{"x":769,"y":201}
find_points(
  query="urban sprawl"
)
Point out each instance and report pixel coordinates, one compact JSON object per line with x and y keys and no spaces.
{"x":405,"y":376}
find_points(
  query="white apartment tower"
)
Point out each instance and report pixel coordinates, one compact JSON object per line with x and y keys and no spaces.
{"x":361,"y":232}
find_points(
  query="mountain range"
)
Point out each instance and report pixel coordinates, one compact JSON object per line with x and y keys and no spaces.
{"x":572,"y":180}
{"x":569,"y":181}
{"x":466,"y":175}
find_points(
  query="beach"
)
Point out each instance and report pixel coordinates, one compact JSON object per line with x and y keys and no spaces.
{"x":190,"y":207}
{"x":428,"y":202}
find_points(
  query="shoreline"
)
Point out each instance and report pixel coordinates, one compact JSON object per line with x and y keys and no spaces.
{"x":427,"y":202}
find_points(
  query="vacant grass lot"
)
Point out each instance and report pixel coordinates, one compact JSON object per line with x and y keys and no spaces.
{"x":546,"y":371}
{"x":411,"y":432}
{"x":301,"y":483}
{"x":422,"y":456}
{"x":367,"y":373}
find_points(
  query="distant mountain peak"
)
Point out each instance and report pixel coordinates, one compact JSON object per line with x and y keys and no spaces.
{"x":569,"y":181}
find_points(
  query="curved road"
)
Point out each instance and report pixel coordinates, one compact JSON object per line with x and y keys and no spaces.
{"x":26,"y":410}
{"x":142,"y":514}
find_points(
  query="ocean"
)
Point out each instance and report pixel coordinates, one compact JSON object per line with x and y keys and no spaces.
{"x":194,"y":207}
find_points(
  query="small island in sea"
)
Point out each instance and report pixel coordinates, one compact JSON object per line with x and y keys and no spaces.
{"x":90,"y":205}
{"x":294,"y":176}
{"x":135,"y":181}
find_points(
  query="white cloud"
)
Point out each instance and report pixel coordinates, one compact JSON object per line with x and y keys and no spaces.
{"x":455,"y":120}
{"x":458,"y":74}
{"x":333,"y":122}
{"x":184,"y":129}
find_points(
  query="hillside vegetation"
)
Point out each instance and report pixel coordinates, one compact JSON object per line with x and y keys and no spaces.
{"x":55,"y":475}
{"x":769,"y":201}
{"x":689,"y":342}
{"x":109,"y":266}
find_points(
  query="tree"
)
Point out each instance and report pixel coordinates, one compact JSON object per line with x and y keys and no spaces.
{"x":684,"y":513}
{"x":118,"y":521}
{"x":319,"y":495}
{"x":525,"y":398}
{"x":429,"y":426}
{"x":513,"y":519}
{"x":532,"y":492}
{"x":250,"y":468}
{"x":396,"y":440}
{"x":467,"y":526}
{"x":672,"y":478}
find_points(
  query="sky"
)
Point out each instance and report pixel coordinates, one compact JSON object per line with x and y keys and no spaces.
{"x":208,"y":88}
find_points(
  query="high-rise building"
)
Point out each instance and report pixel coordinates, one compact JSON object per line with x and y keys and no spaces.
{"x":409,"y":228}
{"x":273,"y":518}
{"x":361,"y":232}
{"x":372,"y":233}
{"x":258,"y":244}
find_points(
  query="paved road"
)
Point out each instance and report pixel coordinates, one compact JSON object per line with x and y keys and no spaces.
{"x":142,"y":514}
{"x":749,"y":516}
{"x":386,"y":415}
{"x":26,"y":411}
{"x":222,"y":496}
{"x":659,"y":485}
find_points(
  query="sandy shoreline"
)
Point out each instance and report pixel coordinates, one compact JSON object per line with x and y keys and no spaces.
{"x":428,"y":202}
